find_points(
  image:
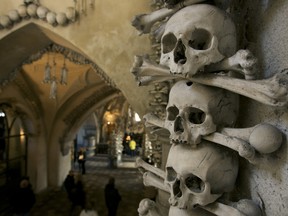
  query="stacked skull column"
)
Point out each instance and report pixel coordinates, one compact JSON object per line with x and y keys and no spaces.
{"x":199,"y":55}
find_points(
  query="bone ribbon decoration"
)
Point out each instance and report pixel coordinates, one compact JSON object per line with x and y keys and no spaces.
{"x":271,"y":91}
{"x":144,"y":22}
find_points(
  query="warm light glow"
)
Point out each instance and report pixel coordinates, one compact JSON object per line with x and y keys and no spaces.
{"x":128,"y":138}
{"x":137,"y":118}
{"x":22,"y":135}
{"x":108,"y":123}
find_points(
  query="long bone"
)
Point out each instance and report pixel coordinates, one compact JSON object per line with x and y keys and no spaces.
{"x":243,"y":61}
{"x":150,"y":179}
{"x":221,"y":209}
{"x":272,"y":91}
{"x":265,"y":138}
{"x":147,"y":167}
{"x":242,"y":147}
{"x":144,"y":22}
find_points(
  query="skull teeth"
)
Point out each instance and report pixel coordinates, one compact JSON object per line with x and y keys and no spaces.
{"x":177,"y":141}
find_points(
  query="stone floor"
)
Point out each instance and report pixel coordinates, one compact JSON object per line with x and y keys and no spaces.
{"x":54,"y":202}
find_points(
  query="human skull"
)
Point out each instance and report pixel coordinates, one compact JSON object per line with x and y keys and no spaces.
{"x":196,"y":36}
{"x":199,"y":176}
{"x":195,"y":110}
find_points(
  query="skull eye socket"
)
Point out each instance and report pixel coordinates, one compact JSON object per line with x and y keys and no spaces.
{"x":171,"y":174}
{"x":196,"y":116}
{"x":200,"y":39}
{"x":168,"y":43}
{"x":194,"y":184}
{"x":172,"y":113}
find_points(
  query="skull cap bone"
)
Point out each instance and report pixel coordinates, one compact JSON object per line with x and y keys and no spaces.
{"x":215,"y":166}
{"x":219,"y":107}
{"x":196,"y":36}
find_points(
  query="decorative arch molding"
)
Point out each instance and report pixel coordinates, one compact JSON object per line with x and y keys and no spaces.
{"x":74,"y":118}
{"x":69,"y":54}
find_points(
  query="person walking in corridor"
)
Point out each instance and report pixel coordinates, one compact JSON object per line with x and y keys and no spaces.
{"x":69,"y":184}
{"x":82,"y":160}
{"x":112,"y":197}
{"x":132,"y":146}
{"x":23,"y":198}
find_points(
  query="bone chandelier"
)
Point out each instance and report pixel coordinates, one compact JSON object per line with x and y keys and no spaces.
{"x":50,"y":76}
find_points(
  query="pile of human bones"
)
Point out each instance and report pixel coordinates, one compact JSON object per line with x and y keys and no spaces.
{"x":198,"y":52}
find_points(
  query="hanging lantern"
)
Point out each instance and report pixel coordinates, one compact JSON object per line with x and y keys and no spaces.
{"x":47,"y":73}
{"x":53,"y":88}
{"x":64,"y":74}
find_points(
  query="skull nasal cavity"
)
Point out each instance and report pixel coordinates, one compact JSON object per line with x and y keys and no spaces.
{"x":172,"y":113}
{"x":176,"y":189}
{"x":200,"y":39}
{"x":179,"y":53}
{"x":178,"y":127}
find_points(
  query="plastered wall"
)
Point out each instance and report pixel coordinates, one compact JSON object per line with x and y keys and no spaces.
{"x":263,"y":30}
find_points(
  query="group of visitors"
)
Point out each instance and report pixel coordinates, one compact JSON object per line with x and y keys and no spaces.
{"x":77,"y":196}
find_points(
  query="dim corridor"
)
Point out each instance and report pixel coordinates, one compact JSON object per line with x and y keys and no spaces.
{"x":128,"y":180}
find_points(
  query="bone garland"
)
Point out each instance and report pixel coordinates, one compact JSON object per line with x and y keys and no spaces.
{"x":144,"y":22}
{"x":272,"y":91}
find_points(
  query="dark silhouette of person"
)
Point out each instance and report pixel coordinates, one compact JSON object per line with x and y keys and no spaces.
{"x":23,"y":198}
{"x":82,"y":160}
{"x":112,"y":197}
{"x":69,"y":183}
{"x":2,"y":139}
{"x":78,"y":194}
